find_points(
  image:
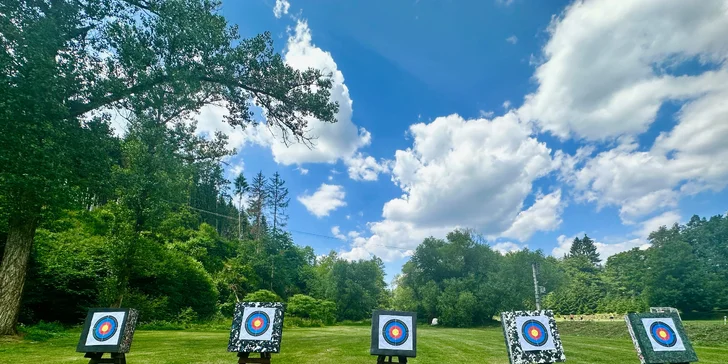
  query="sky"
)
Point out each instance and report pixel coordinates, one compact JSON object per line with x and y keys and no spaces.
{"x":531,"y":122}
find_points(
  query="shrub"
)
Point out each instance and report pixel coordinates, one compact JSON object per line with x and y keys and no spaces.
{"x":262,"y":295}
{"x":42,"y":331}
{"x":303,"y":306}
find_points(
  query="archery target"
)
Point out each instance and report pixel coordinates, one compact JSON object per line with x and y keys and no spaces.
{"x":662,"y":334}
{"x":395,"y":332}
{"x":257,"y":323}
{"x":533,"y":333}
{"x":105,"y":328}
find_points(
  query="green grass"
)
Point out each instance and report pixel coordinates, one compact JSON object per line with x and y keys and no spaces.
{"x":338,"y":344}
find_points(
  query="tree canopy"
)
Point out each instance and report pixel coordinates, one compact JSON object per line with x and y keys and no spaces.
{"x":162,"y":60}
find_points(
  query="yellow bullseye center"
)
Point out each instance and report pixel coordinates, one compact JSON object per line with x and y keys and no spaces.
{"x":395,"y":332}
{"x":662,"y":334}
{"x":104,"y":328}
{"x":534,"y":332}
{"x":257,"y":323}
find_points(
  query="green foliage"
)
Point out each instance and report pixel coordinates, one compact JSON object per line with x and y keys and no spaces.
{"x":356,"y":287}
{"x":465,"y":283}
{"x":586,"y":248}
{"x":262,"y":295}
{"x":67,"y":268}
{"x":307,"y":307}
{"x":42,"y":331}
{"x":160,"y":60}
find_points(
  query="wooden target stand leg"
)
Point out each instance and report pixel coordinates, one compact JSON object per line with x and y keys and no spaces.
{"x":244,"y":358}
{"x":382,"y":358}
{"x":96,"y":358}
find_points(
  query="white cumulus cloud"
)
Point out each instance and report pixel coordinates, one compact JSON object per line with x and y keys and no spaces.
{"x":608,"y":64}
{"x":325,"y":200}
{"x":543,"y":215}
{"x":281,"y":8}
{"x":605,"y":76}
{"x":667,"y":219}
{"x":464,"y":173}
{"x":331,"y":141}
{"x":507,"y":247}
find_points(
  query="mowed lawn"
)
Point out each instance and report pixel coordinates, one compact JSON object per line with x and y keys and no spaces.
{"x":339,"y":344}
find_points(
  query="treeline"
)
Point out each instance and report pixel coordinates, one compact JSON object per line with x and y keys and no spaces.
{"x":168,"y":238}
{"x":463,"y":282}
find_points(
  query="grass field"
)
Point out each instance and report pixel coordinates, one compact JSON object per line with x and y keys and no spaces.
{"x":338,"y":344}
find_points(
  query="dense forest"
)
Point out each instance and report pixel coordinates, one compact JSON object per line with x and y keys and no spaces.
{"x":464,"y":282}
{"x":169,"y":239}
{"x":148,"y":220}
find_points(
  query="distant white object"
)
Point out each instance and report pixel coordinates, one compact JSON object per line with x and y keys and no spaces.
{"x":665,"y":309}
{"x":434,"y":321}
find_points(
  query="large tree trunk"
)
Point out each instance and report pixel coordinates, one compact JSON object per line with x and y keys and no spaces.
{"x":13,"y":269}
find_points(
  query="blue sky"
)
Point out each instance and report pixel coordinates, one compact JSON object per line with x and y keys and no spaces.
{"x":529,"y":121}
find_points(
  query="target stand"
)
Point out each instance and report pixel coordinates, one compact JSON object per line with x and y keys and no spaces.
{"x":659,"y":338}
{"x":394,"y":335}
{"x":257,"y":328}
{"x":244,"y":358}
{"x":107,"y":330}
{"x":383,"y":359}
{"x":96,"y":358}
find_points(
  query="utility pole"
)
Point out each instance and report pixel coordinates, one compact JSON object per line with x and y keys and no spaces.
{"x":535,"y":287}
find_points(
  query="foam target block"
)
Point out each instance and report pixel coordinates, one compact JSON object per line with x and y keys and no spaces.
{"x":257,"y":327}
{"x":532,"y":337}
{"x":108,"y":330}
{"x":394,"y":333}
{"x":660,"y":338}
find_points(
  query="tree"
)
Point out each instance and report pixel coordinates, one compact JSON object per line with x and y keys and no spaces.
{"x":585,"y":247}
{"x":278,"y":200}
{"x":258,"y":203}
{"x":63,"y":59}
{"x":676,"y":277}
{"x":241,"y":187}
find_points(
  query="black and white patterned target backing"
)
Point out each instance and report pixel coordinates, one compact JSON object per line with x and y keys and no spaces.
{"x":394,"y":333}
{"x":532,"y":337}
{"x":257,"y":327}
{"x":108,"y":330}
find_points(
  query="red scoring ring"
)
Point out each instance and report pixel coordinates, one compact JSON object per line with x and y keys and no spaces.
{"x":667,"y":334}
{"x":538,"y":330}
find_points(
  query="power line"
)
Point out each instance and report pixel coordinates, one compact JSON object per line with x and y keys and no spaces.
{"x":291,"y":230}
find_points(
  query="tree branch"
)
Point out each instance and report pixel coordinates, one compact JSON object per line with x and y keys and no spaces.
{"x":79,"y":109}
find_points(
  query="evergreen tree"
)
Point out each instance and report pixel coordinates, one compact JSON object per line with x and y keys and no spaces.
{"x":258,"y":203}
{"x":278,"y":200}
{"x":585,"y":247}
{"x":241,"y":187}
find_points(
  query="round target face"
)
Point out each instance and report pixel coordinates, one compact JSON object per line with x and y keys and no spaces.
{"x":105,"y":328}
{"x":257,"y":323}
{"x":534,"y":333}
{"x":663,"y":334}
{"x":395,"y":332}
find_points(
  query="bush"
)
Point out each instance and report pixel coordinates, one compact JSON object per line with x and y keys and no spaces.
{"x":262,"y":295}
{"x":302,"y":306}
{"x":42,"y":331}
